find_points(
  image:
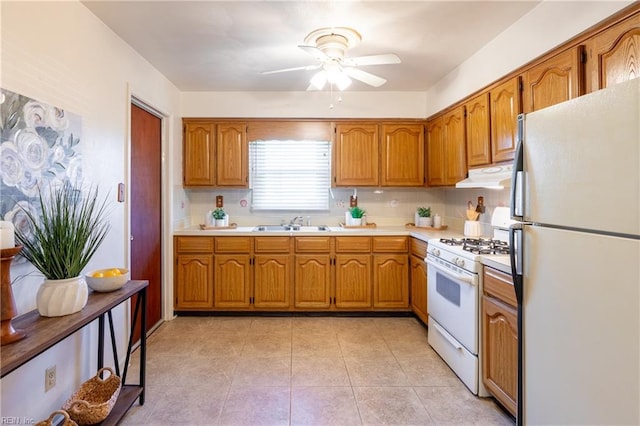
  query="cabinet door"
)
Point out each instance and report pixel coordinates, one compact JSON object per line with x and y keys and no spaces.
{"x":353,"y":281}
{"x":272,"y":281}
{"x":232,"y":281}
{"x":435,"y":152}
{"x":198,"y":154}
{"x":455,"y":154}
{"x":232,"y":155}
{"x":505,"y":107}
{"x":555,"y":80}
{"x":478,"y":131}
{"x":613,"y":55}
{"x":390,"y":281}
{"x":194,"y":281}
{"x":500,"y":351}
{"x":419,"y":287}
{"x":402,"y":155}
{"x":312,"y":281}
{"x":356,"y":155}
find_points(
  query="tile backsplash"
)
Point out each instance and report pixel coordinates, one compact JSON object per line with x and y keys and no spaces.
{"x":391,"y":207}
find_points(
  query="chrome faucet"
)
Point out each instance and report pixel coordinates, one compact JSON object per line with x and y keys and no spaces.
{"x":296,"y":220}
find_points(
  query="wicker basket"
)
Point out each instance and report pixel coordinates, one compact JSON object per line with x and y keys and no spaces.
{"x":93,"y":402}
{"x":66,"y":422}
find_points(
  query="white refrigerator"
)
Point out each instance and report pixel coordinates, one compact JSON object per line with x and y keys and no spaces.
{"x":576,"y":260}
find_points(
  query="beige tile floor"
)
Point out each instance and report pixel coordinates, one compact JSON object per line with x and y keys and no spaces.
{"x":302,"y":371}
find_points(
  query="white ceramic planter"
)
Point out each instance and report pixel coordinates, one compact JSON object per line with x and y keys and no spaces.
{"x":56,"y":298}
{"x":219,"y":223}
{"x":425,"y":221}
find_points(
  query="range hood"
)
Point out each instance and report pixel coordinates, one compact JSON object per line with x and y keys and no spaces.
{"x":496,"y":177}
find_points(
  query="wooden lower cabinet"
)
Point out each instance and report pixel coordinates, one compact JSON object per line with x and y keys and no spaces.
{"x":194,"y":278}
{"x":232,"y":281}
{"x":418,"y":269}
{"x":312,"y":281}
{"x":500,"y":339}
{"x":272,"y":281}
{"x":390,"y":281}
{"x":353,"y":281}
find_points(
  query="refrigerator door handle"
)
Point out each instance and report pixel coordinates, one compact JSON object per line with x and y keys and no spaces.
{"x":515,"y":242}
{"x":517,"y":180}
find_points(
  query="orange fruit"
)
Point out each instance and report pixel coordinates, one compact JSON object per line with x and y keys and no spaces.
{"x":98,"y":274}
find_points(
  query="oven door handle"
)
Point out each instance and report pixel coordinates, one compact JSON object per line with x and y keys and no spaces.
{"x":464,"y":278}
{"x":445,"y":335}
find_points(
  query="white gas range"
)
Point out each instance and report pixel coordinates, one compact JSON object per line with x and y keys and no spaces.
{"x":454,"y":271}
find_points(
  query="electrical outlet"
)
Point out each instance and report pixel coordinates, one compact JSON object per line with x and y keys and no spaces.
{"x":49,"y":378}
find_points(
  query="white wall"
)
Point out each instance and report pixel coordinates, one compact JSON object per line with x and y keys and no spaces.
{"x":543,"y":28}
{"x":61,"y":54}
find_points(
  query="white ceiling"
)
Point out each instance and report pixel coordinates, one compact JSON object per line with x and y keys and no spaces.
{"x":225,"y":45}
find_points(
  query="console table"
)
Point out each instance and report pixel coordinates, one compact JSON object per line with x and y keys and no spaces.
{"x":45,"y":332}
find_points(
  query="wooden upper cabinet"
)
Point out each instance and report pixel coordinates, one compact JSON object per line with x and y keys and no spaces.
{"x":478,"y":131}
{"x":505,"y":106}
{"x":555,"y":80}
{"x":614,"y":54}
{"x":402,"y":155}
{"x":232,"y":155}
{"x":455,"y":164}
{"x":198,"y":154}
{"x":435,"y":152}
{"x":356,"y":155}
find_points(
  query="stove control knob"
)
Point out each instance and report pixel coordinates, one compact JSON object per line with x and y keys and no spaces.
{"x":435,"y":252}
{"x":457,"y":261}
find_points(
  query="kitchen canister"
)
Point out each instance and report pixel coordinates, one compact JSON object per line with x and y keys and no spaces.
{"x":437,"y":221}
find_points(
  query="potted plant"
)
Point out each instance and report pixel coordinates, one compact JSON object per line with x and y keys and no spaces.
{"x":356,"y":215}
{"x":424,"y":217}
{"x":61,"y":243}
{"x":218,"y":215}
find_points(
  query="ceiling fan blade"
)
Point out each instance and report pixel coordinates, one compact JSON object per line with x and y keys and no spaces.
{"x":358,"y":61}
{"x":306,"y":68}
{"x":315,"y":52}
{"x":365,"y":77}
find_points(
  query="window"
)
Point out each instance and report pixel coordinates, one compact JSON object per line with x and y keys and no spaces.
{"x":290,"y":174}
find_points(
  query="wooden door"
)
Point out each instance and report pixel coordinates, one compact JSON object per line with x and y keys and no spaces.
{"x":478,"y":131}
{"x":614,"y":54}
{"x":194,"y":281}
{"x":505,"y":107}
{"x":232,"y":155}
{"x":402,"y":155}
{"x":232,"y":280}
{"x":146,"y":209}
{"x":356,"y":155}
{"x":198,"y":155}
{"x":455,"y":153}
{"x":419,"y":287}
{"x":555,"y":80}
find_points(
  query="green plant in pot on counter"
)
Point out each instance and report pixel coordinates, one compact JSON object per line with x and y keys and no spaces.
{"x":218,"y":214}
{"x":61,"y":243}
{"x":357,"y":212}
{"x":424,"y":211}
{"x":424,"y":217}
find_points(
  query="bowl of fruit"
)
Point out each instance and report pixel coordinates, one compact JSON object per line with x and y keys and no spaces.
{"x":109,"y":279}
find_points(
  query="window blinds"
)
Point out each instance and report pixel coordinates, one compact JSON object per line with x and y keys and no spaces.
{"x":290,"y":175}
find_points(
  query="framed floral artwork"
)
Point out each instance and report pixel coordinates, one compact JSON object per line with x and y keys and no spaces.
{"x":40,"y":147}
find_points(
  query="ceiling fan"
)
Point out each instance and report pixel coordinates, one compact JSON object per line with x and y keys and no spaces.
{"x":328,"y":46}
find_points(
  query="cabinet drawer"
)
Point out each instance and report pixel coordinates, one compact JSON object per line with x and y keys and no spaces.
{"x":500,"y":285}
{"x":194,"y":244}
{"x":313,"y":244}
{"x":353,"y":244}
{"x":233,"y":244}
{"x":390,"y":244}
{"x":271,"y":244}
{"x":418,"y":248}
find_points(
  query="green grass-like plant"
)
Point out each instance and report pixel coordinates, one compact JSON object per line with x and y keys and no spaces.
{"x":71,"y":229}
{"x":424,"y":211}
{"x":218,"y":214}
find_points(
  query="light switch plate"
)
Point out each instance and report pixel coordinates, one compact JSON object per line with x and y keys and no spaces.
{"x":121,"y":192}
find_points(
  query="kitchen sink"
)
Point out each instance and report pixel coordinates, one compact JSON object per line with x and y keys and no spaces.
{"x":287,"y":228}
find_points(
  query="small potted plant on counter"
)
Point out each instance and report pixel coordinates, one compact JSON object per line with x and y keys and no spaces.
{"x":218,"y":215}
{"x":424,"y":217}
{"x":356,"y":215}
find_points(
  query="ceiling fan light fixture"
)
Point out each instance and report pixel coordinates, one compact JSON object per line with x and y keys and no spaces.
{"x":319,"y":79}
{"x":342,"y":81}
